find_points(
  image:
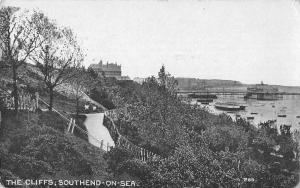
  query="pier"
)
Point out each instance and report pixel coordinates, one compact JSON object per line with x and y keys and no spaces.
{"x":226,"y":92}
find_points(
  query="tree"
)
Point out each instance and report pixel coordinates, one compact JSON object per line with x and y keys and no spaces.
{"x":162,"y":77}
{"x":58,"y":55}
{"x":92,"y":73}
{"x":19,"y":40}
{"x":79,"y":83}
{"x":166,"y":81}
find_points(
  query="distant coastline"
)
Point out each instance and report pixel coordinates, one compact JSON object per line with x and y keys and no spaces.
{"x":226,"y":85}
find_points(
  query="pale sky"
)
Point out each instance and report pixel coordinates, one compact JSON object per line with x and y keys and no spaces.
{"x":245,"y":40}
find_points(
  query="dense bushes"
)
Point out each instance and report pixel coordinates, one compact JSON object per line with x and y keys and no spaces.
{"x":102,"y":97}
{"x":198,"y":148}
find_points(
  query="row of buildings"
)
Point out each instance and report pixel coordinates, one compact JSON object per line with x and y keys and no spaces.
{"x":113,"y":70}
{"x":110,"y":70}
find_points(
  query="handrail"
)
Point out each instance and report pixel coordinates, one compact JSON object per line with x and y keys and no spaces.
{"x":146,"y":152}
{"x":79,"y":128}
{"x":54,"y":109}
{"x":143,"y":151}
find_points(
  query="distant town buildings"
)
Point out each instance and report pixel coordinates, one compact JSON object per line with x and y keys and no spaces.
{"x":139,"y":80}
{"x":110,"y":70}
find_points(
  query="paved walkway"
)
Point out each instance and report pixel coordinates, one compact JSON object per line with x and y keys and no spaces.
{"x":95,"y":127}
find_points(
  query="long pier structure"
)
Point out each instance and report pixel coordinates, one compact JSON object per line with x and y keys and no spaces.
{"x":225,"y":92}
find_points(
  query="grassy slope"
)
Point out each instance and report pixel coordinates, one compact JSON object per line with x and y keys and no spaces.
{"x":39,"y":148}
{"x":41,"y":143}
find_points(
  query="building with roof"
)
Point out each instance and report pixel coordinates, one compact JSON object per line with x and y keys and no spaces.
{"x":109,"y":70}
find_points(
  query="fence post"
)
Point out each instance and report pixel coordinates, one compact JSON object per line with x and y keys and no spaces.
{"x":147,"y":155}
{"x":73,"y":125}
{"x":107,"y":149}
{"x":101,"y":144}
{"x":37,"y":99}
{"x":69,"y":126}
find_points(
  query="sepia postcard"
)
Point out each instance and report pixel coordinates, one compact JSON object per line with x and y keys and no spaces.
{"x":150,"y":93}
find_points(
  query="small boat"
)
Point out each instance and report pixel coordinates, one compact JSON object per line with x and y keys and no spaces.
{"x":205,"y":103}
{"x":281,"y":115}
{"x":205,"y":100}
{"x":297,"y":116}
{"x":229,"y":106}
{"x":250,"y":117}
{"x":207,"y":96}
{"x":253,"y":113}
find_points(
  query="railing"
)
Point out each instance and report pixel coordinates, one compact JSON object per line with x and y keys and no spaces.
{"x":72,"y":125}
{"x":139,"y":152}
{"x":26,"y":101}
{"x":31,"y":103}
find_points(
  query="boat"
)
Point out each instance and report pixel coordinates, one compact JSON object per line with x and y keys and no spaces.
{"x":205,"y":100}
{"x":205,"y":103}
{"x":229,"y":106}
{"x":202,"y":96}
{"x":297,"y":116}
{"x":254,"y":113}
{"x":250,"y":117}
{"x":281,"y":115}
{"x":263,"y":92}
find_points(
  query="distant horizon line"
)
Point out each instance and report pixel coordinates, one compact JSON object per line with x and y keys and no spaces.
{"x":244,"y":83}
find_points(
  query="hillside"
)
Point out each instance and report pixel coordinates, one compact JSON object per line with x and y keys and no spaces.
{"x":39,"y":149}
{"x":192,"y":147}
{"x":36,"y":146}
{"x":197,"y":148}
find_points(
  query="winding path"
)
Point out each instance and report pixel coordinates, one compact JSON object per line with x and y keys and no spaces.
{"x":95,"y":127}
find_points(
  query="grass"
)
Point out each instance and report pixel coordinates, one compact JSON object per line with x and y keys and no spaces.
{"x":40,"y":148}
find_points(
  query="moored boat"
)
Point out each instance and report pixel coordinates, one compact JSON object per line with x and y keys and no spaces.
{"x":281,"y":115}
{"x":229,"y":106}
{"x":263,"y":92}
{"x":205,"y":100}
{"x":203,"y":96}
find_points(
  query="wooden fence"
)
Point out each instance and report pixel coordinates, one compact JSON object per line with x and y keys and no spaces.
{"x":31,"y":103}
{"x":139,"y":152}
{"x":26,"y":101}
{"x":71,"y":125}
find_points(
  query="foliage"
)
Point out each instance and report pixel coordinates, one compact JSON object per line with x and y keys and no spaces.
{"x":198,"y":148}
{"x":58,"y":53}
{"x":101,"y":96}
{"x":116,"y":156}
{"x":19,"y":40}
{"x":80,"y":83}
